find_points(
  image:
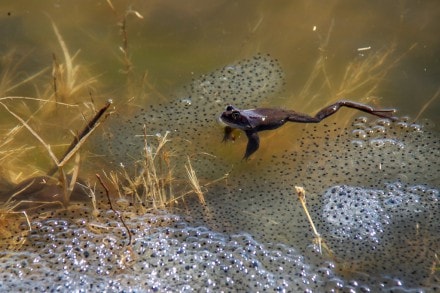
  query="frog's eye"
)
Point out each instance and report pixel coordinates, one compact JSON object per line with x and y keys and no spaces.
{"x":229,"y":108}
{"x":235,"y":115}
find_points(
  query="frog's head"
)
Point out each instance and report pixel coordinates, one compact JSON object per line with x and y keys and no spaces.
{"x":235,"y":118}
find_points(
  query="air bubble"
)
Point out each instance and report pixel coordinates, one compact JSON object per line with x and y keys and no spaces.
{"x":358,"y":133}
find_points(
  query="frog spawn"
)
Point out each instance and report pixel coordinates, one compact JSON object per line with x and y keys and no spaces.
{"x":365,"y":195}
{"x":231,"y":243}
{"x":387,"y":231}
{"x":167,"y":254}
{"x":192,"y":118}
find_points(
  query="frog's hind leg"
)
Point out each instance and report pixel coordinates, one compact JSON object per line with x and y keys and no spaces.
{"x":384,"y":113}
{"x":253,"y":143}
{"x":330,"y":110}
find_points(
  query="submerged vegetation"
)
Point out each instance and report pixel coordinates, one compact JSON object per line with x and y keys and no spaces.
{"x":28,"y":189}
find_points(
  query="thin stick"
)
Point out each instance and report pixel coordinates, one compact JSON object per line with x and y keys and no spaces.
{"x":107,"y":193}
{"x":79,"y":140}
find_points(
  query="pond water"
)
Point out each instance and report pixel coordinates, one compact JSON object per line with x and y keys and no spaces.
{"x":372,"y":185}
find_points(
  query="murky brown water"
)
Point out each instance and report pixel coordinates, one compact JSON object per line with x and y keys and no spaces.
{"x":381,"y":53}
{"x":176,"y":40}
{"x":386,"y":54}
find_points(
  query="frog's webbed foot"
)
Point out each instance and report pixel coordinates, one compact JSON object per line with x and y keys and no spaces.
{"x":253,"y":143}
{"x":228,"y":134}
{"x":385,"y":113}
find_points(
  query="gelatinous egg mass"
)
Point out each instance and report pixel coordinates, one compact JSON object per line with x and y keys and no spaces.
{"x":192,"y":118}
{"x":372,"y":190}
{"x":374,"y":200}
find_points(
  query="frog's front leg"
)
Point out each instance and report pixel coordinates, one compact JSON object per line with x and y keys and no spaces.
{"x":228,"y":134}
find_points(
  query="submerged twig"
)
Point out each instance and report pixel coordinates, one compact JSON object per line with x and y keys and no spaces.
{"x":123,"y":29}
{"x":118,"y":214}
{"x":74,"y":147}
{"x":81,"y":138}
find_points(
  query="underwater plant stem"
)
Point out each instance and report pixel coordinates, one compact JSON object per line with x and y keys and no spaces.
{"x":118,"y":214}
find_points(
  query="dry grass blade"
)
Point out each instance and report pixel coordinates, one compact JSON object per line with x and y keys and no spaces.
{"x":11,"y":75}
{"x":151,"y":184}
{"x":302,"y":198}
{"x":194,"y":181}
{"x":8,"y":137}
{"x":156,"y":177}
{"x":109,"y":2}
{"x":75,"y":174}
{"x":46,"y":146}
{"x":38,"y":100}
{"x":70,"y":73}
{"x":67,"y":79}
{"x":33,"y":76}
{"x":426,"y":105}
{"x":122,"y":23}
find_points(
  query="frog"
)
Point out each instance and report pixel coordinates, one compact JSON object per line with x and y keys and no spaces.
{"x":252,"y":121}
